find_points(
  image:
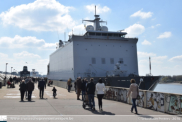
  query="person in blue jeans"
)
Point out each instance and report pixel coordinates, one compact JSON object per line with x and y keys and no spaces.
{"x":83,"y":88}
{"x":91,"y":91}
{"x":135,"y":91}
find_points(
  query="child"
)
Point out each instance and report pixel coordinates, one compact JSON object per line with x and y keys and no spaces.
{"x":54,"y":91}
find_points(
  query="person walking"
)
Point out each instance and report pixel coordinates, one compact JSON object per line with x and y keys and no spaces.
{"x":78,"y":86}
{"x":100,"y":88}
{"x":5,"y":81}
{"x":91,"y":91}
{"x":83,"y":88}
{"x":75,"y":86}
{"x":22,"y":89}
{"x":134,"y":90}
{"x":10,"y":79}
{"x":54,"y":92}
{"x":26,"y":92}
{"x":41,"y":86}
{"x":69,"y":84}
{"x":30,"y":88}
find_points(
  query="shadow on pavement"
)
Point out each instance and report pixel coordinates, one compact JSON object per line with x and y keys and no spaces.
{"x":26,"y":101}
{"x":43,"y":98}
{"x":100,"y":113}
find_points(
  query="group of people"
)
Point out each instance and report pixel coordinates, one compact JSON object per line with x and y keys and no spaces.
{"x":81,"y":85}
{"x":89,"y":88}
{"x":27,"y":87}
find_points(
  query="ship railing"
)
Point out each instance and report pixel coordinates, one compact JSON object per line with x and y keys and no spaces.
{"x":131,"y":37}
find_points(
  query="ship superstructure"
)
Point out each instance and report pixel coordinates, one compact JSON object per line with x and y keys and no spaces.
{"x":97,"y":53}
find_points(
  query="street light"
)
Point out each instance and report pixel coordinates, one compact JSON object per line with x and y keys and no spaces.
{"x":5,"y":75}
{"x":6,"y":69}
{"x":11,"y":70}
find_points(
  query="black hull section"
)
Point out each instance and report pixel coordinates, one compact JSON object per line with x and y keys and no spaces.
{"x":149,"y":82}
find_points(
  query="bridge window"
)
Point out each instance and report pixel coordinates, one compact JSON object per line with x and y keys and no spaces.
{"x":112,"y":60}
{"x":109,"y":34}
{"x":104,"y":34}
{"x":103,"y":61}
{"x":98,"y":34}
{"x":115,"y":35}
{"x":93,"y":61}
{"x":91,"y":34}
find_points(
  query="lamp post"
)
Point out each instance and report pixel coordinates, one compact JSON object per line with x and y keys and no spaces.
{"x":11,"y":71}
{"x":14,"y":71}
{"x":5,"y":75}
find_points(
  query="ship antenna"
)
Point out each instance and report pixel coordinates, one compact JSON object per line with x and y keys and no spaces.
{"x":95,"y":10}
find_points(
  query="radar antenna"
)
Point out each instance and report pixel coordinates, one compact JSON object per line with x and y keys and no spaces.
{"x":96,"y":22}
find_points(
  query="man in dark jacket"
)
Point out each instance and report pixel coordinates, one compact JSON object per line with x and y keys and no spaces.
{"x":10,"y":79}
{"x":30,"y":88}
{"x":83,"y":87}
{"x":91,"y":91}
{"x":78,"y":86}
{"x":41,"y":86}
{"x":22,"y":89}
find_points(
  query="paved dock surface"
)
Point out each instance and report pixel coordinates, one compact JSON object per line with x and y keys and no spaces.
{"x":65,"y":104}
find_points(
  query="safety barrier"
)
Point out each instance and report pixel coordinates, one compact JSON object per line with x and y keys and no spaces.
{"x":158,"y":101}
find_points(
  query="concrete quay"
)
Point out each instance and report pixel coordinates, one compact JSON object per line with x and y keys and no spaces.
{"x":65,"y":105}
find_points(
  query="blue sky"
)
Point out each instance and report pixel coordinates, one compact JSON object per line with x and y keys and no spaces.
{"x":30,"y":29}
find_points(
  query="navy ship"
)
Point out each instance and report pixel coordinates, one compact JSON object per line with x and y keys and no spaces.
{"x":99,"y":53}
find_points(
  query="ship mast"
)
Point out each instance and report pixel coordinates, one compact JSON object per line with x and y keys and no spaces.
{"x":96,"y":22}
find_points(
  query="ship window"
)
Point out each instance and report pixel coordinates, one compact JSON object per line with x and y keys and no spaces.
{"x":122,"y":35}
{"x":112,"y":60}
{"x":98,"y":34}
{"x":103,"y":61}
{"x":109,"y":34}
{"x":121,"y":60}
{"x":104,"y":34}
{"x":93,"y":61}
{"x":91,"y":34}
{"x":115,"y":35}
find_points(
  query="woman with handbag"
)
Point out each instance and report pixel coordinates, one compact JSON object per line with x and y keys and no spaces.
{"x":135,"y":93}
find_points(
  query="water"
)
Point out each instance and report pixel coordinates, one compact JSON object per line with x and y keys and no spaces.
{"x":169,"y":88}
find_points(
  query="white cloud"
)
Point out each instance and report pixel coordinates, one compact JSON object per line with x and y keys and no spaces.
{"x":25,"y":42}
{"x":143,"y":15}
{"x":164,"y":35}
{"x":99,"y":9}
{"x":25,"y":55}
{"x":155,"y":25}
{"x":41,"y":15}
{"x":17,"y":61}
{"x":135,"y":30}
{"x":2,"y":56}
{"x":153,"y":56}
{"x":79,"y":29}
{"x":145,"y":42}
{"x":177,"y":66}
{"x":158,"y":59}
{"x":145,"y":54}
{"x":176,"y":58}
